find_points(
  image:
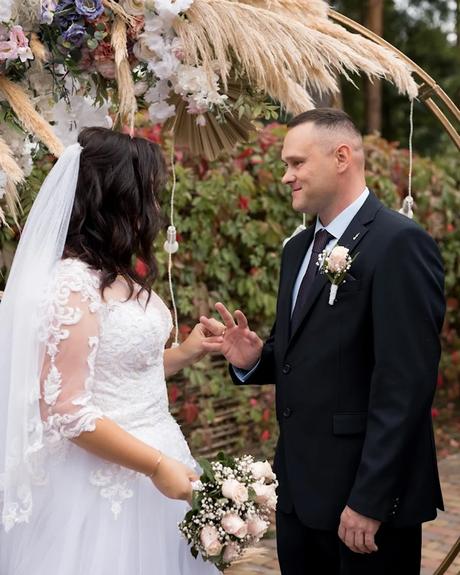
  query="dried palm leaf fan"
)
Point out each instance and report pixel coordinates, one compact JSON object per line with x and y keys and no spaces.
{"x":217,"y":136}
{"x":213,"y":137}
{"x":279,"y":54}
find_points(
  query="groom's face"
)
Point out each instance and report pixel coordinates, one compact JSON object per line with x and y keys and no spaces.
{"x":311,"y":170}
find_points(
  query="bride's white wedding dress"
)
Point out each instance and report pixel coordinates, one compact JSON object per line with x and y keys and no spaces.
{"x":104,"y":358}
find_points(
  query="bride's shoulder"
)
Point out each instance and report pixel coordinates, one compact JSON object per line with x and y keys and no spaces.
{"x":75,"y":275}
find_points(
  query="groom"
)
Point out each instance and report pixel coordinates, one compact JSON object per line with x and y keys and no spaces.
{"x":356,"y":458}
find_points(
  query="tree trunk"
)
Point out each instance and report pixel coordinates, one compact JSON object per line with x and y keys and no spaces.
{"x":373,"y":90}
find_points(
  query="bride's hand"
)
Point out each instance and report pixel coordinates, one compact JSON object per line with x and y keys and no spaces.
{"x":192,"y":347}
{"x":173,"y":479}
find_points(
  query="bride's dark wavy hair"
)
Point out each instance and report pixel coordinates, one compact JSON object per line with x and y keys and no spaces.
{"x":116,"y":215}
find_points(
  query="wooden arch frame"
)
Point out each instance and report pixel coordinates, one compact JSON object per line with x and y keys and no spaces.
{"x":428,"y":88}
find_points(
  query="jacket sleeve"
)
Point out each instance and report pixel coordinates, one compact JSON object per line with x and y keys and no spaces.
{"x":407,"y":313}
{"x":264,"y":372}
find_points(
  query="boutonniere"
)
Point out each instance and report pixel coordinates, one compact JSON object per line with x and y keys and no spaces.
{"x":335,"y":265}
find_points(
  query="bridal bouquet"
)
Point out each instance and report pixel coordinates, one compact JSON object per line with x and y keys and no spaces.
{"x":231,"y":506}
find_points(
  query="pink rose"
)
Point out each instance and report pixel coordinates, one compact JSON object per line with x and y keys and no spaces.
{"x":256,"y":526}
{"x":262,"y":470}
{"x":209,"y":538}
{"x":337,"y":259}
{"x":234,"y":490}
{"x":265,"y":495}
{"x":231,"y":552}
{"x":234,"y":525}
{"x":17,"y":35}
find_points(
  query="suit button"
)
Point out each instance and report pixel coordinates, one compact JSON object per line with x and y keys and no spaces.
{"x":287,"y":412}
{"x":286,"y":368}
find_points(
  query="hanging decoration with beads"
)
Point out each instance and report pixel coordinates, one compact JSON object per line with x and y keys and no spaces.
{"x":408,"y":201}
{"x":171,"y":246}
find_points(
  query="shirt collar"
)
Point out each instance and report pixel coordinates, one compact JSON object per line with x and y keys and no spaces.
{"x":341,"y":222}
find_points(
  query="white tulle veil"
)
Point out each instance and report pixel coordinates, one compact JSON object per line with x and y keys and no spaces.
{"x":21,"y":346}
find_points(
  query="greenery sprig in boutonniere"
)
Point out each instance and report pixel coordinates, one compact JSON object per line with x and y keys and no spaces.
{"x":335,"y":264}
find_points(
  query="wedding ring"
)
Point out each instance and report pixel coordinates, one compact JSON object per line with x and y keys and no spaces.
{"x":223,"y":332}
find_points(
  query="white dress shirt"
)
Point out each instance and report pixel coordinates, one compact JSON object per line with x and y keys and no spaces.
{"x":336,"y":228}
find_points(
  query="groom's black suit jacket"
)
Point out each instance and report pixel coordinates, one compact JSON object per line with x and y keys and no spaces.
{"x":355,"y":381}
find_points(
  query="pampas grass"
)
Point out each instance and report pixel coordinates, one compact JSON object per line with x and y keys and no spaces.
{"x":267,"y":46}
{"x":387,"y":64}
{"x":14,"y":176}
{"x":119,"y":11}
{"x":127,"y":100}
{"x":38,"y":50}
{"x":271,"y":44}
{"x":30,"y":119}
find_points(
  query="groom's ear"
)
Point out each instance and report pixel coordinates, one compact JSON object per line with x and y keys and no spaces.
{"x":343,"y":157}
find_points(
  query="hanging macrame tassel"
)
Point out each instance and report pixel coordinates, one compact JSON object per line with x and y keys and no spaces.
{"x":408,"y":201}
{"x":298,"y":229}
{"x":171,"y":246}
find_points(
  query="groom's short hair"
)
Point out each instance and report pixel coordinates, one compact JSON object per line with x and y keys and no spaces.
{"x":328,"y":118}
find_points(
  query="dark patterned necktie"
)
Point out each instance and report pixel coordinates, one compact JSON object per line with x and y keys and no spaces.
{"x":322,"y":238}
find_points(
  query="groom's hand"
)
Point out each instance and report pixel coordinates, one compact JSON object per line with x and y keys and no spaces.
{"x":232,"y":338}
{"x":357,"y":531}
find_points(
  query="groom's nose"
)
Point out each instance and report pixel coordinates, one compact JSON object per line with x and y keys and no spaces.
{"x":288,"y":177}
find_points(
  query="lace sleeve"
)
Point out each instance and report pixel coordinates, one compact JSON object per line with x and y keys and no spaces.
{"x":72,"y":331}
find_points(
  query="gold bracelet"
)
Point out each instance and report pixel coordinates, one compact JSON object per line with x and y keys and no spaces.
{"x":157,"y":463}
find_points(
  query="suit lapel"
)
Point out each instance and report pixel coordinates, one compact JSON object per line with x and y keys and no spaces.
{"x":349,"y":239}
{"x":292,"y":267}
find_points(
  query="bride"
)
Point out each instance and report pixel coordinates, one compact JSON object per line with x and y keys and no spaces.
{"x":95,"y":472}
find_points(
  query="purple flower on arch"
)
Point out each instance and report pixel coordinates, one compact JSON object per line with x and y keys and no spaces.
{"x":90,"y":9}
{"x":75,"y":34}
{"x":65,"y":14}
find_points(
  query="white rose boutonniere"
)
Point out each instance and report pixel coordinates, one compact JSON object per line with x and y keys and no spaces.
{"x":335,"y":265}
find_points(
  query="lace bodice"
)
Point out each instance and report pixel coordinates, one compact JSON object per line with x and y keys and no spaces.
{"x":104,"y":358}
